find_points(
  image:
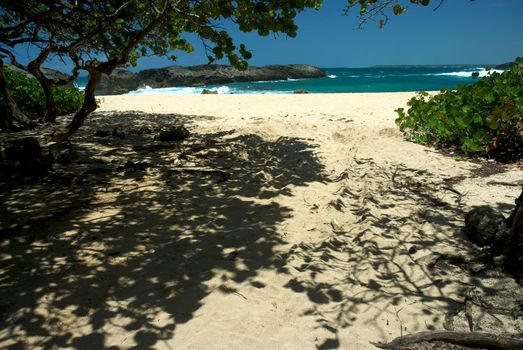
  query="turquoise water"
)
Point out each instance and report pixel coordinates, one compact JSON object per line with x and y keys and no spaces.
{"x":372,"y":79}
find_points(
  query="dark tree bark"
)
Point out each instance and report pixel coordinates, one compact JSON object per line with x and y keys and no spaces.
{"x":472,"y":339}
{"x":88,"y":107}
{"x":13,"y":113}
{"x":96,"y":69}
{"x":35,"y":69}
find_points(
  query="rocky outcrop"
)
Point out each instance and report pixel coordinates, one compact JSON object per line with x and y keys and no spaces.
{"x":505,"y":66}
{"x":48,"y":72}
{"x":120,"y":82}
{"x":124,"y":81}
{"x":209,"y":92}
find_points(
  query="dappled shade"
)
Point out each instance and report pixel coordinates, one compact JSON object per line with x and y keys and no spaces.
{"x":145,"y":244}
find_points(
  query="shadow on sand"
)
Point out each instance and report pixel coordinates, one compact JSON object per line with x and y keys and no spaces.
{"x":138,"y":251}
{"x":140,"y":232}
{"x":382,"y":268}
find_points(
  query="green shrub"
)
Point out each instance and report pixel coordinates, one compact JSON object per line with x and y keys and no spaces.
{"x":484,"y":118}
{"x":67,"y":99}
{"x":30,"y":97}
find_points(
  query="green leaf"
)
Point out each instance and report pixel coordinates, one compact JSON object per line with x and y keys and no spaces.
{"x":398,"y":9}
{"x":470,"y":117}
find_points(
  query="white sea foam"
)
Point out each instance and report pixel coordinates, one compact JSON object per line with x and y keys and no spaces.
{"x":332,"y":76}
{"x":468,"y":73}
{"x":268,"y":81}
{"x":222,"y":90}
{"x":147,"y":90}
{"x":275,"y":81}
{"x":264,"y":92}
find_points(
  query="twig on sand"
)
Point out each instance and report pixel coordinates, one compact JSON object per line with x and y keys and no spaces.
{"x":448,"y":188}
{"x":472,"y":339}
{"x":399,"y":320}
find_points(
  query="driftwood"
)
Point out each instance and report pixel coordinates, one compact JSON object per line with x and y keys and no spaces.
{"x":471,"y":339}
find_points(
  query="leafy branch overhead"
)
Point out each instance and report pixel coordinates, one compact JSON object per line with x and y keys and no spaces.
{"x":381,"y":10}
{"x":100,"y":36}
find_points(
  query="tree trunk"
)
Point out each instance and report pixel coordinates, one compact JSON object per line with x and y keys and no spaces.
{"x":95,"y":74}
{"x":515,"y":240}
{"x":34,"y":69}
{"x":13,"y":113}
{"x":52,"y":111}
{"x":88,"y":107}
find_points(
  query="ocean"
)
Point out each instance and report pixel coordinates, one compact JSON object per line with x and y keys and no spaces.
{"x":371,"y":79}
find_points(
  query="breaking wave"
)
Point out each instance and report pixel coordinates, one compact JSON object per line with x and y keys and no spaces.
{"x":222,"y":90}
{"x":147,"y":90}
{"x":468,"y":73}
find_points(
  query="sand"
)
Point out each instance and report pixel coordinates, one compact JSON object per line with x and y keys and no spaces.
{"x":305,"y":222}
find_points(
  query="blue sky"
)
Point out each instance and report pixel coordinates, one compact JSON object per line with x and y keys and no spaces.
{"x":459,"y":32}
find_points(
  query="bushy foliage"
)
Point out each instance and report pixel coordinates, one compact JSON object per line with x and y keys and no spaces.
{"x":484,"y":118}
{"x":30,"y":97}
{"x":67,"y":99}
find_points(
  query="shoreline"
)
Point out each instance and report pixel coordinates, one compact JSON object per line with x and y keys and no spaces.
{"x":274,"y":93}
{"x":279,"y":94}
{"x":335,"y":80}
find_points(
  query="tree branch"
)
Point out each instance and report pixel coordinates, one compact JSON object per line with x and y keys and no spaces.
{"x":474,"y":339}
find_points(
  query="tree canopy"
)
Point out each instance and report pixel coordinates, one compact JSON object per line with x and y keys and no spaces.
{"x":99,"y":36}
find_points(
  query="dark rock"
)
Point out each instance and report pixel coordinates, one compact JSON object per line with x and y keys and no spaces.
{"x":505,"y":66}
{"x":21,"y":159}
{"x":174,"y":133}
{"x":102,"y":133}
{"x":64,"y":178}
{"x":98,"y":170}
{"x":62,"y":152}
{"x":301,"y":91}
{"x":413,"y":249}
{"x":220,"y":74}
{"x":118,"y":134}
{"x":515,"y":251}
{"x":122,"y":81}
{"x":48,"y":72}
{"x":209,"y":92}
{"x":132,"y":166}
{"x":486,"y":227}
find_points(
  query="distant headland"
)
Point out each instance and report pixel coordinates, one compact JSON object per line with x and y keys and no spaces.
{"x":123,"y":81}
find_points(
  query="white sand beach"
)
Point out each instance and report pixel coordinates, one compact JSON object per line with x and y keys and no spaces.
{"x":299,"y":222}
